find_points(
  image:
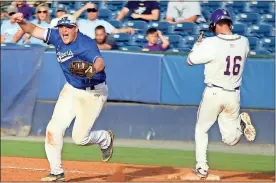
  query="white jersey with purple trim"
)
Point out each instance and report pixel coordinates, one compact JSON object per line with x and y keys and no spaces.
{"x":224,"y":57}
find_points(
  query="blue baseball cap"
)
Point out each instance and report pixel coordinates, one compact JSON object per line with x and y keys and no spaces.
{"x":67,"y":20}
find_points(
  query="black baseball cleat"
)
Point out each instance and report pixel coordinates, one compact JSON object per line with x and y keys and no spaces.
{"x":248,"y":129}
{"x":107,"y":153}
{"x":201,"y":173}
{"x":53,"y":178}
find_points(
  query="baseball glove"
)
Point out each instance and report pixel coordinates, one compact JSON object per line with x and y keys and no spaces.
{"x":82,"y":69}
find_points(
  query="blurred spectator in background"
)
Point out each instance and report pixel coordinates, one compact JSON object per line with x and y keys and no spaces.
{"x":23,"y":8}
{"x":42,"y":20}
{"x":152,"y":37}
{"x":60,"y":11}
{"x":87,"y":27}
{"x":104,"y":42}
{"x":140,"y":10}
{"x":10,"y":30}
{"x":179,"y":11}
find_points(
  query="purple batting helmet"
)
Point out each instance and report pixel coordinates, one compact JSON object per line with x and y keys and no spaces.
{"x":216,"y":16}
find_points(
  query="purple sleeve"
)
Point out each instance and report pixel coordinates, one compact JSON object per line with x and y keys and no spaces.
{"x":160,"y":47}
{"x":155,"y":5}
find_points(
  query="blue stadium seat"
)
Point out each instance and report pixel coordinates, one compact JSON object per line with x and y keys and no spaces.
{"x":211,"y":5}
{"x":186,"y":28}
{"x":263,"y":30}
{"x":139,"y":26}
{"x":268,"y":18}
{"x":254,"y":43}
{"x":138,"y":40}
{"x":240,"y":29}
{"x":114,"y":5}
{"x":206,"y":14}
{"x":268,"y":43}
{"x":32,"y":45}
{"x":11,"y":44}
{"x":121,"y":39}
{"x":116,"y":24}
{"x":248,"y":18}
{"x":174,"y":40}
{"x":261,"y":6}
{"x":235,"y":6}
{"x":163,"y":5}
{"x":163,"y":26}
{"x":260,"y":52}
{"x":105,"y":14}
{"x":177,"y":50}
{"x":130,"y":48}
{"x":188,"y":41}
{"x":205,"y":27}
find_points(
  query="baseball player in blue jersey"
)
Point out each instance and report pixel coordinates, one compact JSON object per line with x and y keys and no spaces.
{"x":224,"y":56}
{"x":83,"y":96}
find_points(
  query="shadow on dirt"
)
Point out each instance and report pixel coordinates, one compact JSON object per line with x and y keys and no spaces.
{"x":148,"y":173}
{"x":253,"y":176}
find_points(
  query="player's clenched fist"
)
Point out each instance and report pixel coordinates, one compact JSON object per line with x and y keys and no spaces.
{"x":17,"y":17}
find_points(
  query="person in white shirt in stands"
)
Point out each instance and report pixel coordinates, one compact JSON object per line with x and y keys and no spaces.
{"x":60,"y":11}
{"x":179,"y":12}
{"x":87,"y":27}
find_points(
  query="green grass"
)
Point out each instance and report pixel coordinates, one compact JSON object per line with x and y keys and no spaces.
{"x":129,"y":155}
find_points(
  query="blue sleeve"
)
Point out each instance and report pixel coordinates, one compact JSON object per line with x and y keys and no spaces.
{"x":51,"y":37}
{"x":92,"y":53}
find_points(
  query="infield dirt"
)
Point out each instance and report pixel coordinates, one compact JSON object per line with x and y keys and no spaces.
{"x":32,"y":169}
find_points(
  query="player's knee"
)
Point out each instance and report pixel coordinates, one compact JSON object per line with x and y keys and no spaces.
{"x":231,"y":140}
{"x":51,"y":131}
{"x":79,"y":139}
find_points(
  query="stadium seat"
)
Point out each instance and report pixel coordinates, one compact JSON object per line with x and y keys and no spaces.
{"x":116,"y":24}
{"x":163,"y":26}
{"x":240,"y":29}
{"x":130,"y":48}
{"x":11,"y":44}
{"x":261,"y":6}
{"x":32,"y":45}
{"x":188,"y":41}
{"x":174,"y":40}
{"x":105,"y":14}
{"x":254,"y":43}
{"x":140,"y":26}
{"x":185,"y":29}
{"x":114,"y":5}
{"x":211,"y":5}
{"x":177,"y":50}
{"x":137,"y":40}
{"x":268,"y":18}
{"x":268,"y":43}
{"x":163,"y":5}
{"x":235,"y":6}
{"x":205,"y":27}
{"x":121,"y":39}
{"x":248,"y":18}
{"x":260,"y":52}
{"x":263,"y":30}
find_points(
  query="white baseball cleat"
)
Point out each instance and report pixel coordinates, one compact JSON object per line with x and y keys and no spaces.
{"x":248,"y":129}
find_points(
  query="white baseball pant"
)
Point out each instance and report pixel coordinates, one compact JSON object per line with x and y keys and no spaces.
{"x":86,"y":106}
{"x":224,"y":105}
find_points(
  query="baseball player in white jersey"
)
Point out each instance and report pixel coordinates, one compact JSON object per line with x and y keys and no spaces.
{"x":224,"y":56}
{"x":83,"y":96}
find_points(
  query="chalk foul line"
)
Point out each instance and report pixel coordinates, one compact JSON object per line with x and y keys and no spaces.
{"x":73,"y":171}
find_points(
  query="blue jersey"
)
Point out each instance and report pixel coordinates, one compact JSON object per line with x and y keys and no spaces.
{"x":83,"y":48}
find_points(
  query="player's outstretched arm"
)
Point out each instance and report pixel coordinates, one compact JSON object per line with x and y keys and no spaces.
{"x":28,"y":27}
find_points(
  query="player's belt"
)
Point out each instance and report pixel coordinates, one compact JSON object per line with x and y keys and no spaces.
{"x":212,"y":85}
{"x":91,"y":87}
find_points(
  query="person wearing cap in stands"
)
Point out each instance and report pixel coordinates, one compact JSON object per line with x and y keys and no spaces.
{"x":10,"y":31}
{"x":60,"y":11}
{"x":88,"y":26}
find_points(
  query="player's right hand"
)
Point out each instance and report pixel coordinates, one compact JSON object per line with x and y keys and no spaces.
{"x":17,"y":17}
